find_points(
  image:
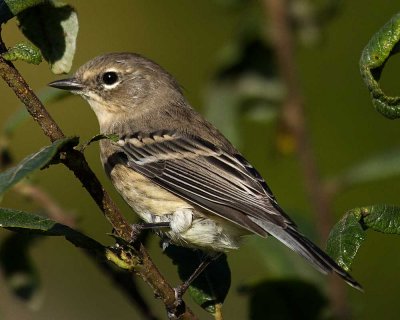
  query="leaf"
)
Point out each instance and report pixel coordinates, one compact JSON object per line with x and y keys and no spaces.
{"x":10,"y":218}
{"x":10,"y":8}
{"x":346,"y":238}
{"x":285,"y":300}
{"x":383,"y":218}
{"x":21,"y":221}
{"x":52,"y":27}
{"x":379,"y":49}
{"x":33,"y":162}
{"x":381,"y":166}
{"x":29,"y":225}
{"x":211,"y":287}
{"x":17,"y":266}
{"x":25,"y":52}
{"x":348,"y":234}
{"x":98,"y":137}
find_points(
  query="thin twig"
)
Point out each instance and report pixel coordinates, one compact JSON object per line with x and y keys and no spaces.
{"x":76,"y":162}
{"x":293,"y":119}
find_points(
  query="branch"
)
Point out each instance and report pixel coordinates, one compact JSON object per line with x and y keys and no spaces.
{"x":293,"y":120}
{"x":76,"y":162}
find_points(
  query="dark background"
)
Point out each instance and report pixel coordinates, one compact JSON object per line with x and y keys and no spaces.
{"x":188,"y":38}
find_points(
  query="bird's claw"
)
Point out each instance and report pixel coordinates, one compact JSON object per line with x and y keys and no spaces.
{"x":137,"y":229}
{"x":178,"y":296}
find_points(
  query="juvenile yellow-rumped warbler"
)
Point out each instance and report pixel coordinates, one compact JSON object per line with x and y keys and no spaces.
{"x":173,"y":167}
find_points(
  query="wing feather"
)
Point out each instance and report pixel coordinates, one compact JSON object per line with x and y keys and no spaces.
{"x":205,"y":175}
{"x":222,"y":183}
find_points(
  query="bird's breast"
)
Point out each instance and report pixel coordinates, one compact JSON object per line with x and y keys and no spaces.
{"x":190,"y":226}
{"x":143,"y":195}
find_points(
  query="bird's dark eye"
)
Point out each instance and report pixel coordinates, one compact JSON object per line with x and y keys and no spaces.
{"x":110,"y":77}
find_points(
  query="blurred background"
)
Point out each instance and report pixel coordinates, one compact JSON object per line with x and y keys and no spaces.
{"x":219,"y":51}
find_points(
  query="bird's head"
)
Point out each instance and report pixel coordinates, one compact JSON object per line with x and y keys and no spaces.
{"x":121,"y":84}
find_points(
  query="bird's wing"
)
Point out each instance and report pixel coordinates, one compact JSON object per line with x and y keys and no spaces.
{"x":223,"y":183}
{"x":203,"y":174}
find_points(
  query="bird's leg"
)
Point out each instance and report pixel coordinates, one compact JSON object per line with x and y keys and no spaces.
{"x":155,"y":225}
{"x":181,"y":289}
{"x":137,"y":228}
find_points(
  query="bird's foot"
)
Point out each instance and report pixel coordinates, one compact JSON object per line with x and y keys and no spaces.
{"x":179,"y":292}
{"x":137,"y":228}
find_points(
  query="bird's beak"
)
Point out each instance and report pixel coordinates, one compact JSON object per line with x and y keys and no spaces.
{"x":71,"y":84}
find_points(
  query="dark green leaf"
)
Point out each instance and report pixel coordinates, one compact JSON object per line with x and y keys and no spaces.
{"x":346,"y":238}
{"x":15,"y":219}
{"x":52,"y":27}
{"x":25,"y":52}
{"x":98,"y":137}
{"x":382,"y":218}
{"x":10,"y":8}
{"x":18,"y":269}
{"x":285,"y":300}
{"x":212,"y":286}
{"x":25,"y":222}
{"x":348,"y":234}
{"x":33,"y":162}
{"x":16,"y":261}
{"x":378,"y":50}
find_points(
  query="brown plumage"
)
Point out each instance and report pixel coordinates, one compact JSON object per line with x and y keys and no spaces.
{"x":171,"y":165}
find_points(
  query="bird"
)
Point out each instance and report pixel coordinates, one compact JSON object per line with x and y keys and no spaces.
{"x":175,"y":169}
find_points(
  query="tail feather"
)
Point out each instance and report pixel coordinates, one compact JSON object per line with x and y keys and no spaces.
{"x":300,"y":244}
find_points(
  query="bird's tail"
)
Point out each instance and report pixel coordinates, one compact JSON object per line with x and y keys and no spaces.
{"x":300,"y":244}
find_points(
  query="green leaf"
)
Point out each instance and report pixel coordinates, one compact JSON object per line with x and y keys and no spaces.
{"x":17,"y":266}
{"x":10,"y":8}
{"x":30,"y":224}
{"x":381,"y":166}
{"x":98,"y":137}
{"x":15,"y":219}
{"x":383,"y":218}
{"x":285,"y":300}
{"x":25,"y":222}
{"x":347,"y":235}
{"x":25,"y":52}
{"x":211,"y":287}
{"x":379,"y":49}
{"x":52,"y":27}
{"x":346,"y":238}
{"x":33,"y":162}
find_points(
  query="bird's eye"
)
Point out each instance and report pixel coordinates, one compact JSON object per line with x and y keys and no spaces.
{"x":110,"y":77}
